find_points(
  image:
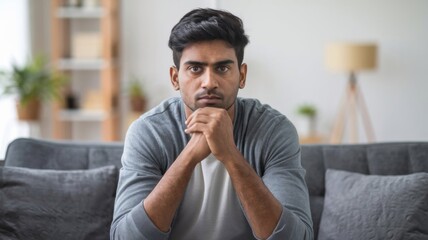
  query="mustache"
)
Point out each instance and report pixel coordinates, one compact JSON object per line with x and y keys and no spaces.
{"x":212,"y":92}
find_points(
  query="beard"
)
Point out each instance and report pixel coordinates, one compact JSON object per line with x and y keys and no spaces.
{"x":219,"y":101}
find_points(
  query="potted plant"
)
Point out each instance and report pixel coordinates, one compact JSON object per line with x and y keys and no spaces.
{"x":308,"y":113}
{"x":136,"y":96}
{"x":32,"y":83}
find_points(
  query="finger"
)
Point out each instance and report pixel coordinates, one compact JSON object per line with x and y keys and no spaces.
{"x":197,"y":128}
{"x":199,"y":119}
{"x":200,"y":111}
{"x":202,"y":118}
{"x":207,"y":110}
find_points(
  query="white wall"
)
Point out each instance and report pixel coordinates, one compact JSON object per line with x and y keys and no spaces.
{"x":14,"y":48}
{"x":286,"y":55}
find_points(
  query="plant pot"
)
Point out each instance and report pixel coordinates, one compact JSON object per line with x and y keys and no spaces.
{"x":306,"y":126}
{"x":138,"y":104}
{"x":29,"y":111}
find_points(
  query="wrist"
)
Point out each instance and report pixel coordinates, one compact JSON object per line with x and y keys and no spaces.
{"x":230,"y":157}
{"x":190,"y":157}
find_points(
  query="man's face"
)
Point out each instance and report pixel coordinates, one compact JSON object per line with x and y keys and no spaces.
{"x":209,"y":76}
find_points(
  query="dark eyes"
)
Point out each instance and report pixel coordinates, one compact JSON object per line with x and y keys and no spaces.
{"x":198,"y":69}
{"x":195,"y":69}
{"x":222,"y":69}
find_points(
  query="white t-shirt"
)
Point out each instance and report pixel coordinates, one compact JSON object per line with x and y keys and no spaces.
{"x":210,"y":208}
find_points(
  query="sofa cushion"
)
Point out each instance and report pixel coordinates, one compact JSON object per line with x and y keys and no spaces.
{"x":359,"y":206}
{"x":56,"y":204}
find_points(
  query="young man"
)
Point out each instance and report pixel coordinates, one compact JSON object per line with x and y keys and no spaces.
{"x":210,"y":165}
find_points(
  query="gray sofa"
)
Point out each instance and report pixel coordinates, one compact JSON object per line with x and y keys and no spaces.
{"x":35,"y":167}
{"x":58,"y":190}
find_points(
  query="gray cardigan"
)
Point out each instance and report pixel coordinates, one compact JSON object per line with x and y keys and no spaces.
{"x":266,"y":138}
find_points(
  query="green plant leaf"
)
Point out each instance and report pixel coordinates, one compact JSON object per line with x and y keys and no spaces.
{"x":307,"y":110}
{"x":34,"y":80}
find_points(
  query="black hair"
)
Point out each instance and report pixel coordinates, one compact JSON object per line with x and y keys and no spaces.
{"x":205,"y":24}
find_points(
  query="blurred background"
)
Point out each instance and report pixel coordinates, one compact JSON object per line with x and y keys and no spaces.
{"x":110,"y":51}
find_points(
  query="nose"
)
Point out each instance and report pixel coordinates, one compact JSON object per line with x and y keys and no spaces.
{"x":209,"y":80}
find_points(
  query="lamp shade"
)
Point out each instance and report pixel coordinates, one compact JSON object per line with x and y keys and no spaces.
{"x":351,"y":57}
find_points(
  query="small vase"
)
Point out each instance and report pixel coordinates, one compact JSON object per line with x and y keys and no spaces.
{"x":138,"y":104}
{"x":306,"y":126}
{"x":29,"y":111}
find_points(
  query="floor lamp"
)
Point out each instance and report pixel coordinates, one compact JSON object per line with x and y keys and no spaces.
{"x":351,"y":58}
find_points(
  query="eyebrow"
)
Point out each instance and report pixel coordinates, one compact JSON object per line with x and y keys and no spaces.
{"x":224,"y":62}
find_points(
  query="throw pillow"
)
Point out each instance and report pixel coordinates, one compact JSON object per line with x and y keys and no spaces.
{"x":52,"y":204}
{"x":359,"y":206}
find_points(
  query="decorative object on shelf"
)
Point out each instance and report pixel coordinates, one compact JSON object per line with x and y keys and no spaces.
{"x":137,"y":98}
{"x":90,"y":3}
{"x":73,"y":3}
{"x":71,"y":100}
{"x":307,"y":121}
{"x":83,"y":3}
{"x":350,"y":58}
{"x":32,"y":83}
{"x":93,"y":100}
{"x":86,"y":45}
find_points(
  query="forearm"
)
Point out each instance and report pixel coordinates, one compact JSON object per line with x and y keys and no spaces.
{"x":162,"y":203}
{"x":262,"y":209}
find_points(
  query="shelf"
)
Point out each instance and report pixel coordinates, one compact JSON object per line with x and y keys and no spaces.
{"x":80,"y":12}
{"x":82,"y":64}
{"x":84,"y":43}
{"x":82,"y":115}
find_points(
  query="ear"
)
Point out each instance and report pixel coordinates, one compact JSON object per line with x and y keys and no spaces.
{"x":173,"y":74}
{"x":242,"y":75}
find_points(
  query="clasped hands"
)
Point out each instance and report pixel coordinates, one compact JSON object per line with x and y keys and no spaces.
{"x":211,"y":131}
